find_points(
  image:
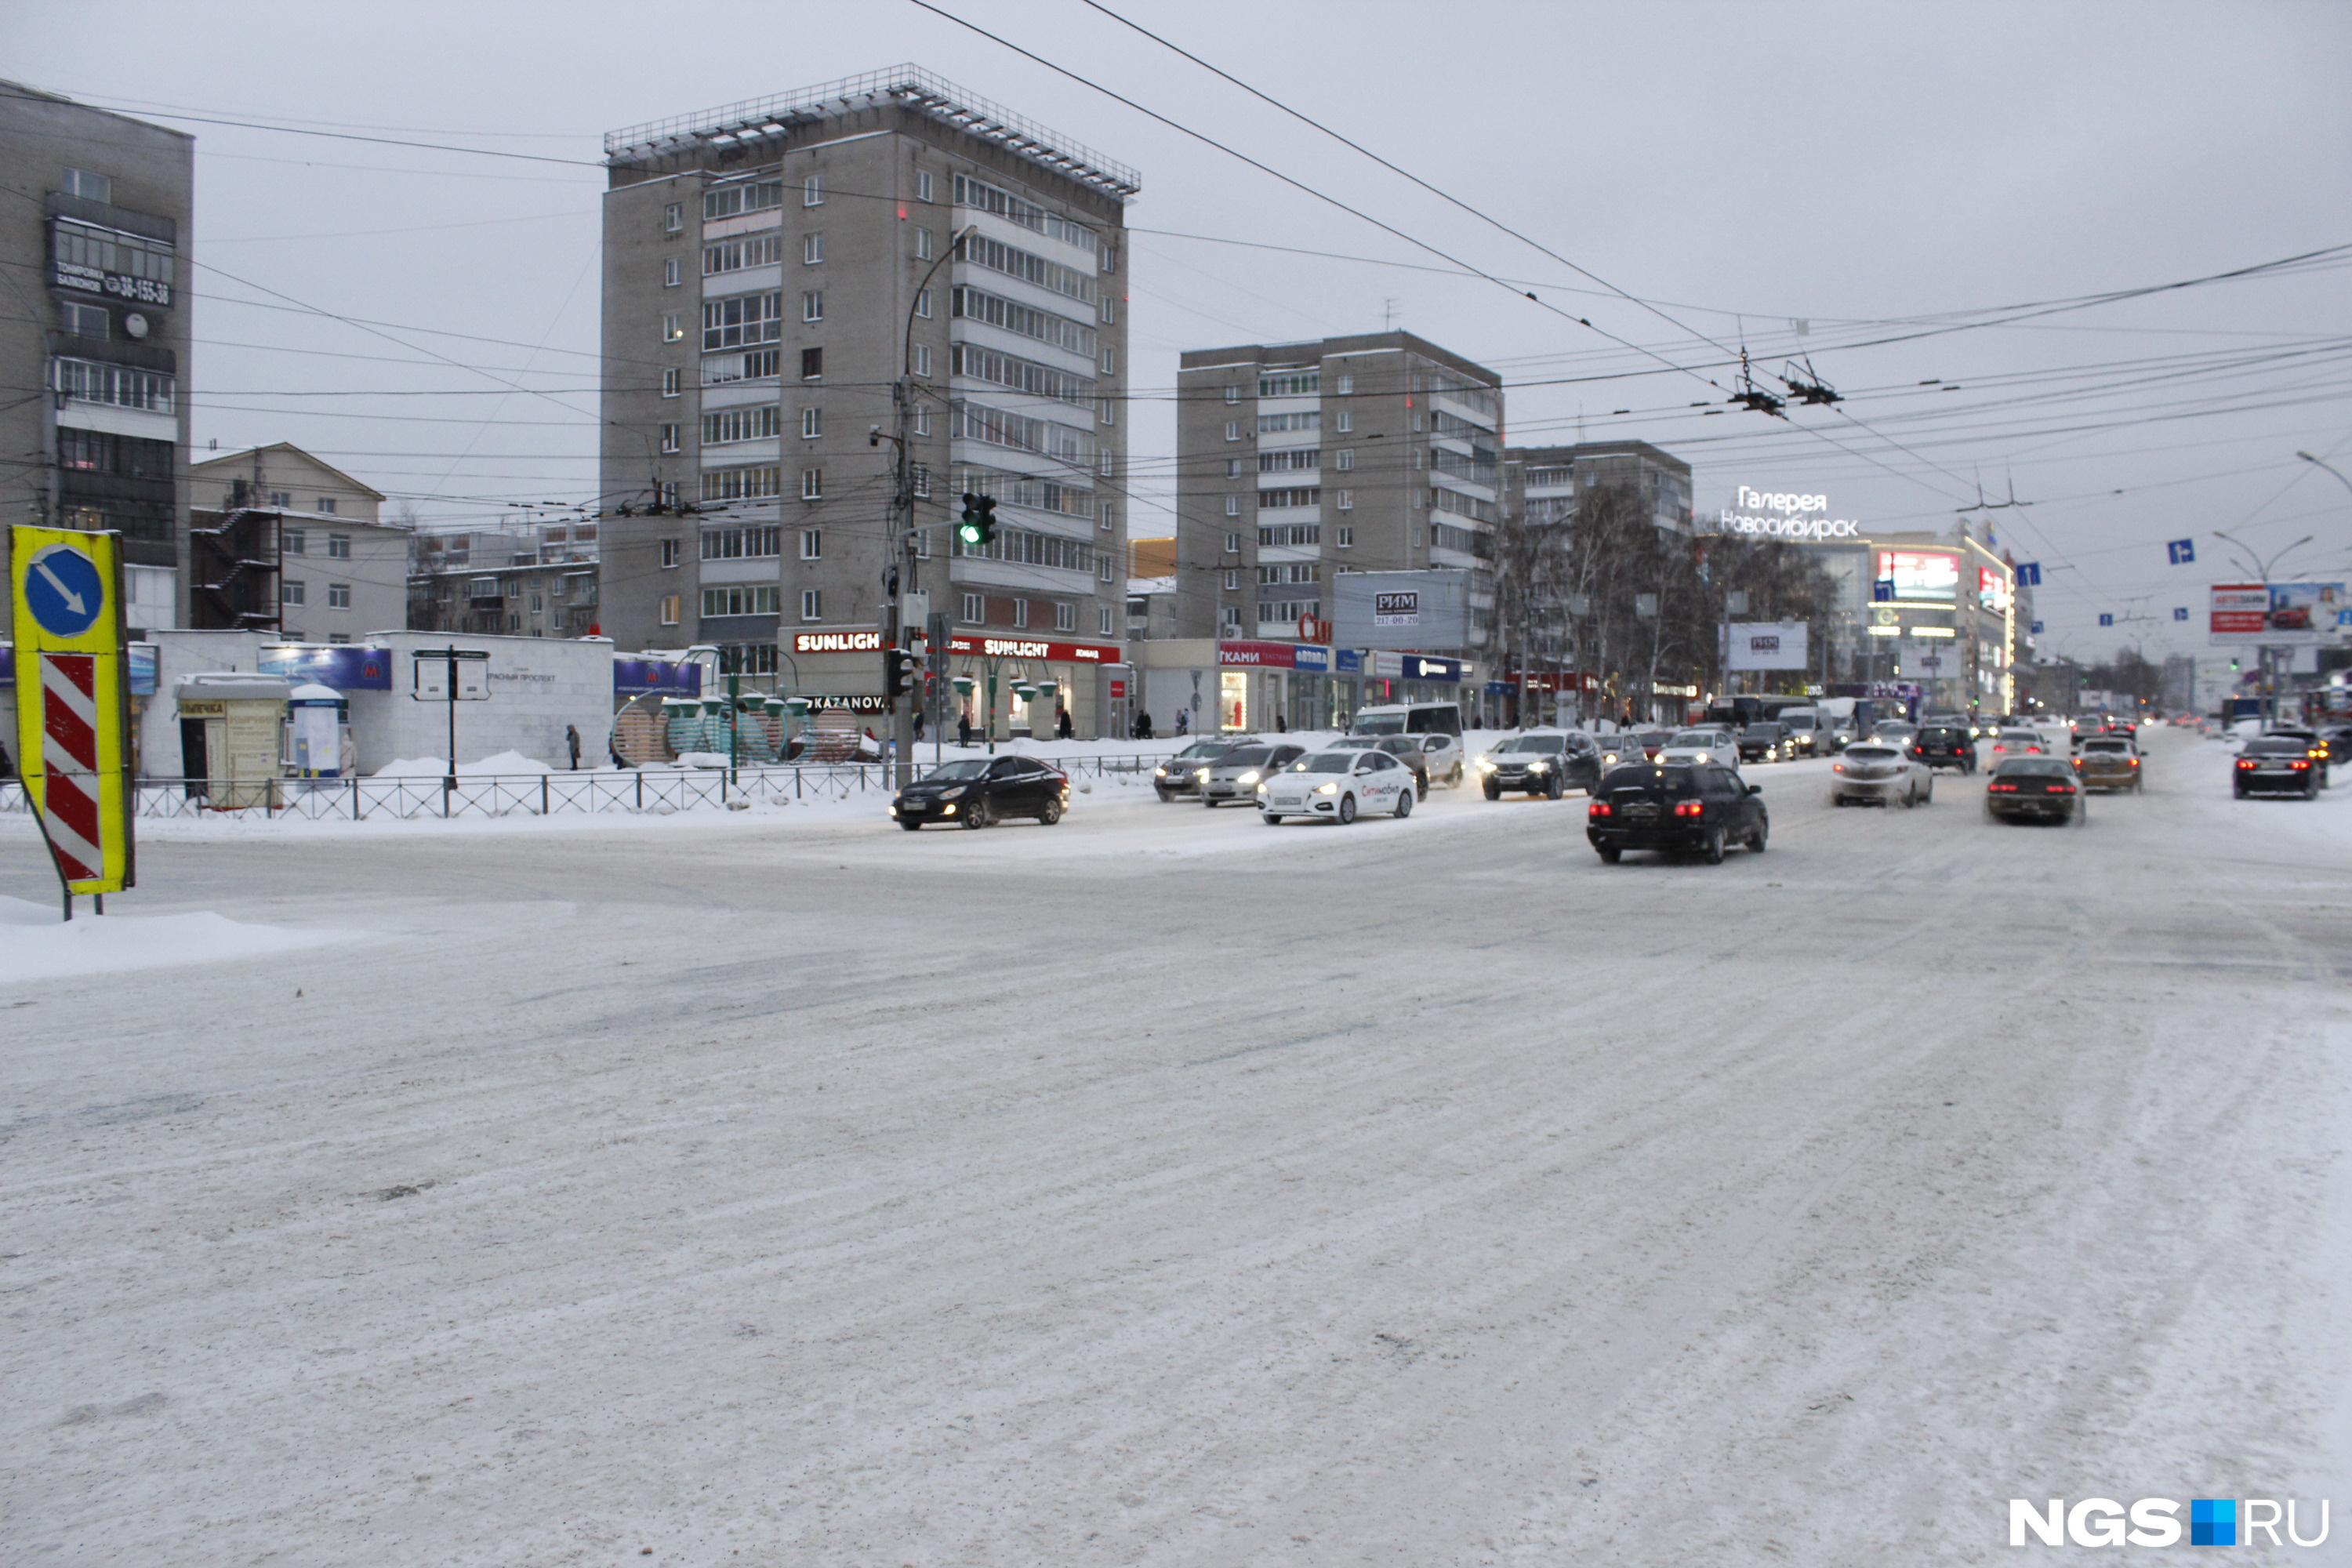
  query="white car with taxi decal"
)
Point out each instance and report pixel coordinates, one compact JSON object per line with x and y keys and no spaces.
{"x":1337,"y":786}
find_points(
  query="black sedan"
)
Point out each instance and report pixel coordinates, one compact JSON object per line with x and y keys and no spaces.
{"x":1677,"y":809}
{"x":980,"y":791}
{"x":1180,"y":774}
{"x":1540,"y":761}
{"x":2277,"y":764}
{"x":1946,"y":747}
{"x":2034,"y":789}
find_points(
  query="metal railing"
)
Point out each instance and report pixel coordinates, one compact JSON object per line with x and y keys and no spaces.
{"x":636,"y":790}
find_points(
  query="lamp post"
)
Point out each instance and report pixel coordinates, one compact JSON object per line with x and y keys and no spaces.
{"x":2329,"y":467}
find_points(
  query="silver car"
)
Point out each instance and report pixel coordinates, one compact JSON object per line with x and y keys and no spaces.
{"x":1874,"y":771}
{"x":1235,"y":775}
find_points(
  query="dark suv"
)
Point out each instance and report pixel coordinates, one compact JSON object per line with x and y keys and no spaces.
{"x":1675,"y":807}
{"x":1765,"y":744}
{"x":1946,"y":747}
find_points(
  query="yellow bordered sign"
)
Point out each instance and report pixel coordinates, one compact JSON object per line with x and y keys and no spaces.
{"x":73,"y":700}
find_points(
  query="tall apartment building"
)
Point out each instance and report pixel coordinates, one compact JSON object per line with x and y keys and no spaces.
{"x":1299,"y":461}
{"x":94,"y":340}
{"x":773,"y":271}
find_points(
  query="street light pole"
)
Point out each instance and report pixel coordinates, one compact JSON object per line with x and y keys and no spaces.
{"x":2329,"y":467}
{"x":2262,"y":573}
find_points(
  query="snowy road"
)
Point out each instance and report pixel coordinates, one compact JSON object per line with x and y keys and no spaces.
{"x":1160,"y":1188}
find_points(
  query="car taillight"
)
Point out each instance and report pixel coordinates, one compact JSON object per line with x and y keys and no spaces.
{"x":1599,"y":808}
{"x":2135,"y":762}
{"x":2002,"y":789}
{"x":2245,"y":762}
{"x":2301,"y":762}
{"x":1688,"y":808}
{"x":1837,"y":768}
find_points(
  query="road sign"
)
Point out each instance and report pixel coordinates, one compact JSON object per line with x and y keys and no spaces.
{"x":2180,"y":612}
{"x":2182,"y":551}
{"x":73,"y":712}
{"x":63,"y":591}
{"x":2105,"y":619}
{"x":2029,"y":572}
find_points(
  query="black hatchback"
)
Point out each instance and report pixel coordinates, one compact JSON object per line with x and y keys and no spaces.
{"x":1677,"y":808}
{"x":1946,"y":747}
{"x":979,"y":791}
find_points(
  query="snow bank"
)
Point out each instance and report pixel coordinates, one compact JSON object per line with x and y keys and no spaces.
{"x":34,"y":944}
{"x":434,"y":767}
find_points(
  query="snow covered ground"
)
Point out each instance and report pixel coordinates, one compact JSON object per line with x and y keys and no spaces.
{"x":1163,"y":1188}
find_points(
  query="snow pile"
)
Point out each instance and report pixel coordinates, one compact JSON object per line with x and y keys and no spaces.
{"x":434,"y":767}
{"x":34,"y":944}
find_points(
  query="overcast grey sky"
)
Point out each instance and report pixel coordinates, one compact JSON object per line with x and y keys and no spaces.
{"x":1874,"y":171}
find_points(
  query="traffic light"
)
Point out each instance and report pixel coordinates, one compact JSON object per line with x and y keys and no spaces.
{"x":896,"y":663}
{"x":978,"y":524}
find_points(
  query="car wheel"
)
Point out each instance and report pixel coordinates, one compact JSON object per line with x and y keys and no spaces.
{"x":1207,"y":802}
{"x":1610,"y":854}
{"x":1930,"y":798}
{"x":911,"y":827}
{"x":1713,"y":853}
{"x":1910,"y":798}
{"x":1271,"y":818}
{"x":1347,"y":808}
{"x":1494,"y":791}
{"x":1454,"y":779}
{"x":1052,"y":813}
{"x":1164,"y":796}
{"x":1763,"y":832}
{"x":1404,"y":803}
{"x":977,"y":818}
{"x":1558,"y":789}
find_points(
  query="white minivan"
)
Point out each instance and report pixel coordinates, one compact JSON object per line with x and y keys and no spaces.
{"x":1438,"y":725}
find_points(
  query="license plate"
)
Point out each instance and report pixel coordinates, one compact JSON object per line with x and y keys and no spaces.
{"x":1640,"y":814}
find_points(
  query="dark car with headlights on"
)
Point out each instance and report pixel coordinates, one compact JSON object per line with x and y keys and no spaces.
{"x":1766,"y":744}
{"x":979,"y":791}
{"x":1180,"y":774}
{"x":1946,"y":747}
{"x":1697,"y":808}
{"x":2276,"y":764}
{"x":2323,"y":754}
{"x":1540,"y":761}
{"x":2034,"y":789}
{"x":1237,"y":773}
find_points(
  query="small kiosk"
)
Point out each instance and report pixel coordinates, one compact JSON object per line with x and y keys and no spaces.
{"x":230,"y":728}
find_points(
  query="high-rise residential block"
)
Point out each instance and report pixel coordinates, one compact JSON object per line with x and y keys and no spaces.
{"x":777,"y":275}
{"x":95,"y":237}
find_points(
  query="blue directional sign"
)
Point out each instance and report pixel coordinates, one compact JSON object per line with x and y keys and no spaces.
{"x":63,"y":590}
{"x":2105,"y":619}
{"x":1882,"y":590}
{"x":2183,"y":552}
{"x":2179,"y":612}
{"x":2029,"y":574}
{"x":2035,"y":629}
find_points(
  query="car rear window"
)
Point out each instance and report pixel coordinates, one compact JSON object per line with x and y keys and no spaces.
{"x":2111,"y":747}
{"x":2268,"y":746}
{"x":1941,"y":735}
{"x":2033,"y":767}
{"x":1873,"y":753}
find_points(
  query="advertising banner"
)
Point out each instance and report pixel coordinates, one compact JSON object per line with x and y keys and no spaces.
{"x":1932,"y":574}
{"x":73,"y":702}
{"x":344,"y":667}
{"x":2278,"y":615}
{"x":1400,"y":610}
{"x":1765,"y":645}
{"x":637,"y":677}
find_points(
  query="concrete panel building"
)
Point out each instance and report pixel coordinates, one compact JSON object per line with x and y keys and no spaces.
{"x":777,"y":276}
{"x":1299,"y":461}
{"x":341,"y":571}
{"x":95,"y":233}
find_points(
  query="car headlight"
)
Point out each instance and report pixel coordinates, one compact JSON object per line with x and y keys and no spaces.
{"x":1201,"y":775}
{"x":1159,"y":773}
{"x":1248,"y":778}
{"x":955,"y":793}
{"x":1261,"y":789}
{"x":1539,"y":767}
{"x":1327,"y":789}
{"x":1485,"y":764}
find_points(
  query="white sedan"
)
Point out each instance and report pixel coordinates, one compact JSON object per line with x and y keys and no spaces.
{"x":1705,"y":747}
{"x":1875,"y":771}
{"x":1336,"y":785}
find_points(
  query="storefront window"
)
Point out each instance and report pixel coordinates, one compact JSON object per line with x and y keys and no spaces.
{"x":1233,"y":699}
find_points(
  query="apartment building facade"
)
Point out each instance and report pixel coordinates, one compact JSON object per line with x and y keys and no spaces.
{"x":337,"y":571}
{"x":1299,"y":461}
{"x":777,"y":276}
{"x":534,"y":581}
{"x":96,"y":233}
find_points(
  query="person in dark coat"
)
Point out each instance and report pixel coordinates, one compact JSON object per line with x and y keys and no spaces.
{"x":1062,"y":729}
{"x":572,"y":739}
{"x":963,"y":727}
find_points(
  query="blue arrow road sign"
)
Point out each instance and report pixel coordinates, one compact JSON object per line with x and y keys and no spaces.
{"x":2179,"y":612}
{"x":2183,"y":551}
{"x":2035,"y":629}
{"x":2029,"y":574}
{"x":63,"y":591}
{"x":2105,"y":619}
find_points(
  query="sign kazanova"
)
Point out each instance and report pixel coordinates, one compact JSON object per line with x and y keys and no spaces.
{"x":1775,"y":514}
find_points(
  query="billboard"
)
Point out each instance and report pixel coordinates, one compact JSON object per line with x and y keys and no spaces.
{"x":1401,"y":609}
{"x":2278,"y":615}
{"x":1916,"y":575}
{"x":1764,"y":645}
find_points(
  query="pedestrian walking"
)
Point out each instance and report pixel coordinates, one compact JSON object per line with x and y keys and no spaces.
{"x":919,"y":725}
{"x":963,"y":727}
{"x":572,"y":739}
{"x":1062,"y":729}
{"x":1183,"y":720}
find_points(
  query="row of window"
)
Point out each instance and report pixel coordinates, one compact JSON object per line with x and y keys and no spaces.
{"x":1344,"y":422}
{"x":1465,"y":505}
{"x":102,"y":452}
{"x":1289,"y":536}
{"x":90,"y":381}
{"x":294,"y":591}
{"x":1002,"y":428}
{"x":970,"y":193}
{"x":1286,"y":612}
{"x":1020,"y":375}
{"x":1027,"y":548}
{"x":980,"y":250}
{"x":1041,"y":495}
{"x":297,"y":542}
{"x":1445,"y":536}
{"x":734,"y":201}
{"x":978,"y":305}
{"x":734,"y":255}
{"x":1306,"y":384}
{"x":760,"y":658}
{"x":1290,"y":572}
{"x":738,"y":543}
{"x":77,"y":244}
{"x":1282,"y":461}
{"x":754,"y":422}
